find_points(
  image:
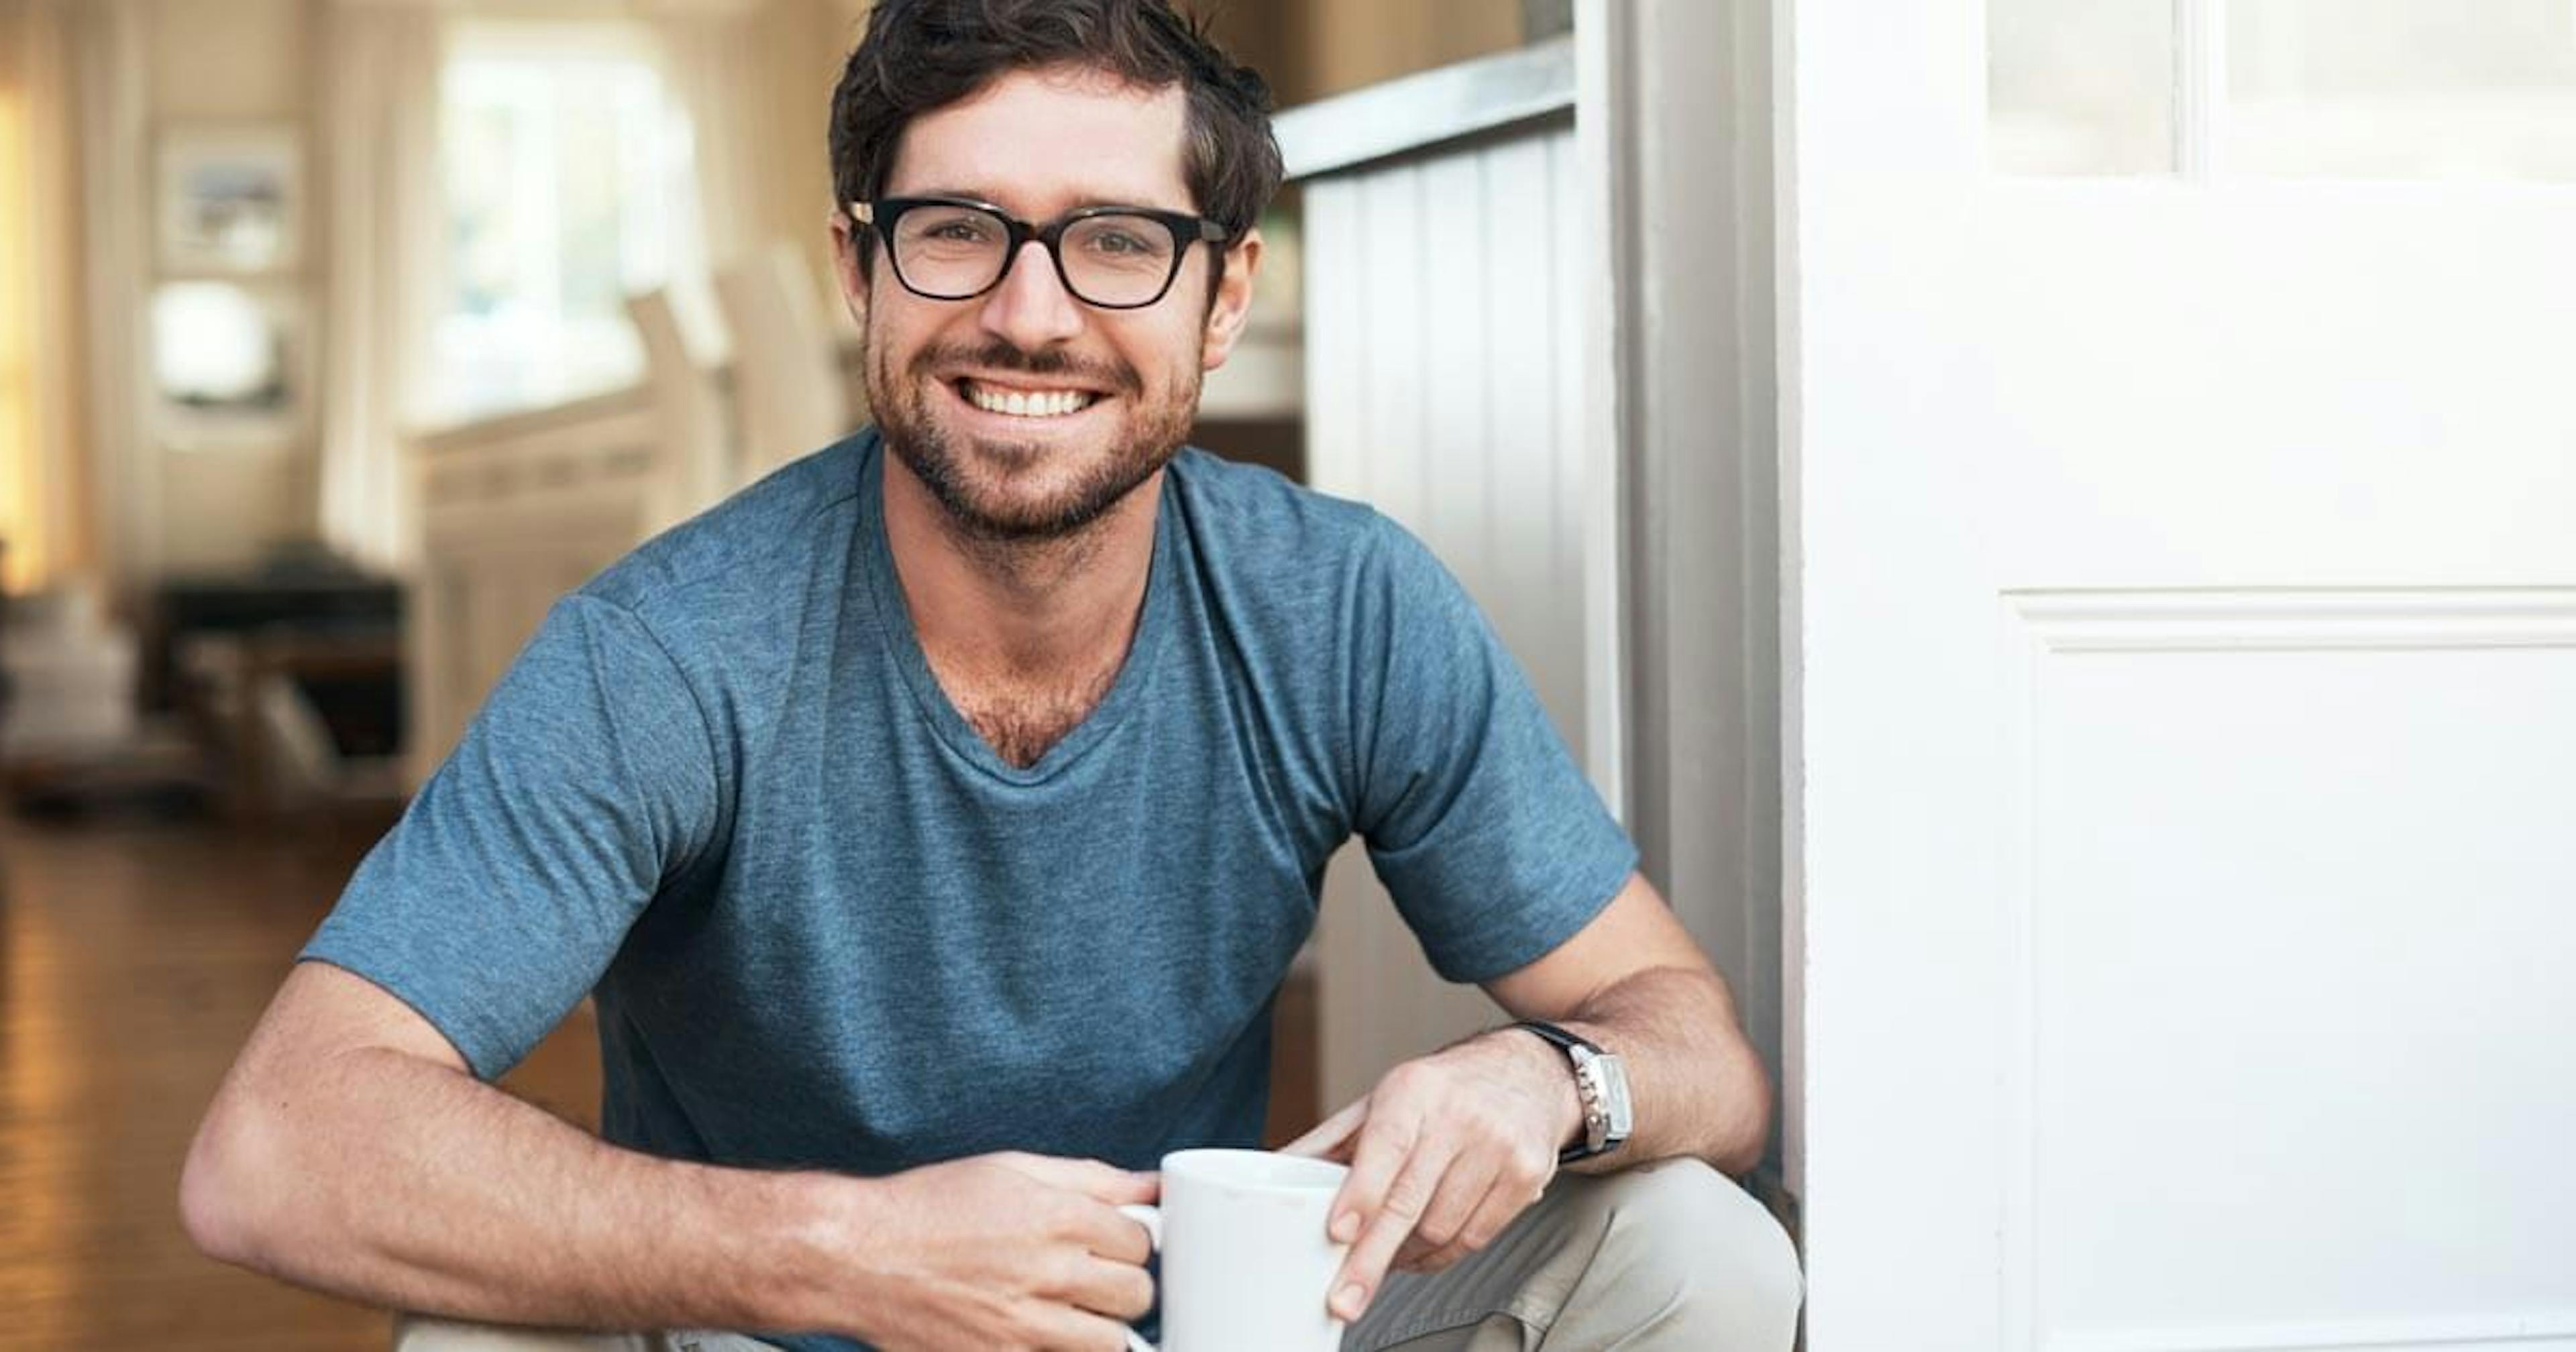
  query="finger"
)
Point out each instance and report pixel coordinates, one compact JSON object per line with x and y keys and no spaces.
{"x":1462,"y":1189}
{"x":1365,"y":1267}
{"x":1331,"y":1134}
{"x":1092,"y":1178}
{"x":1110,"y":1233}
{"x":1120,"y":1291}
{"x":1065,"y":1329}
{"x":1503,"y":1204}
{"x":1377,"y":1153}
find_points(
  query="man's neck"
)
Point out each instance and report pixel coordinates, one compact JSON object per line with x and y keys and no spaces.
{"x":1012,"y":609}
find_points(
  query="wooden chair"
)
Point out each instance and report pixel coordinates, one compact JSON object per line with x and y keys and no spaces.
{"x":693,"y":458}
{"x":788,"y":391}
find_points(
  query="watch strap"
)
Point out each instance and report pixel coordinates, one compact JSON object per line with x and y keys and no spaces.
{"x":1561,"y":1037}
{"x":1596,"y":1113}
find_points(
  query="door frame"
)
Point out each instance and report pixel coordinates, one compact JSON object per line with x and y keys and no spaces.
{"x":1674,"y":124}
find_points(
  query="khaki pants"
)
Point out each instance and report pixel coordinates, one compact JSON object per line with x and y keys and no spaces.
{"x":1669,"y":1257}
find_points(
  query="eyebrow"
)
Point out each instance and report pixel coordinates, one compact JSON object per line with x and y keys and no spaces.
{"x":1083,"y":202}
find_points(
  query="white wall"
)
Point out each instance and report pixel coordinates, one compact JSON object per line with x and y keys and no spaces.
{"x":1443,"y":385}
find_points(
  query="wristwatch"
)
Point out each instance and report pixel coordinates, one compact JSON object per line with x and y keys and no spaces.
{"x":1602,"y":1081}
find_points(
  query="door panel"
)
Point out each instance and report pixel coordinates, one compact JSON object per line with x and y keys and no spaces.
{"x":2262,"y":829}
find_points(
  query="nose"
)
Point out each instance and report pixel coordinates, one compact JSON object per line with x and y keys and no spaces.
{"x":1031,"y":308}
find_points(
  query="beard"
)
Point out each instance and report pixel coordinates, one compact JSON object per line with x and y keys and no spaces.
{"x":973,"y":482}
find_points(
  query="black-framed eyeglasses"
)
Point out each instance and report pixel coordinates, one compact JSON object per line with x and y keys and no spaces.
{"x":956,"y":248}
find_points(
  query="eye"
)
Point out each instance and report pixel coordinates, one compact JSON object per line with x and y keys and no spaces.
{"x":959,"y":230}
{"x":1120,"y":243}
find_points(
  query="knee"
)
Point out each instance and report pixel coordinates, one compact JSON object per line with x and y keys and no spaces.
{"x":1702,"y":1263}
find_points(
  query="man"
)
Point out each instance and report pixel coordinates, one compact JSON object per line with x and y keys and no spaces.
{"x":936,"y":819}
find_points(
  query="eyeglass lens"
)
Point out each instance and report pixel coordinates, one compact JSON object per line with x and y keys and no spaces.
{"x":954,"y":252}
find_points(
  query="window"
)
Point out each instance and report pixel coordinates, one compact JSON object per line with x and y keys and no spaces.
{"x":2402,"y":89}
{"x":20,"y":524}
{"x":564,"y":168}
{"x":2080,"y":86}
{"x":2284,"y":88}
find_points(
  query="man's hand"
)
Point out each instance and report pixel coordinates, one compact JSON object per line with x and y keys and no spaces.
{"x":1006,"y":1251}
{"x":1444,"y":1152}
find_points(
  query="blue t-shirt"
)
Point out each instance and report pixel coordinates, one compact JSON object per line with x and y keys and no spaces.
{"x":828,"y":926}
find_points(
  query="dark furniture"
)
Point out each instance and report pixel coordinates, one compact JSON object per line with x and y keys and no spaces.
{"x":326,"y":612}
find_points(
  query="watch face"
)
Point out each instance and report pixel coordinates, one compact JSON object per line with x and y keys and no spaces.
{"x":1614,"y":1083}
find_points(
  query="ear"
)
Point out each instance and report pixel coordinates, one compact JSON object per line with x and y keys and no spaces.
{"x":1233,"y":305}
{"x":846,"y":270}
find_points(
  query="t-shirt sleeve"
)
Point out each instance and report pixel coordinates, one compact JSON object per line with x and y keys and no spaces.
{"x":587,"y":780}
{"x":1494,"y":845}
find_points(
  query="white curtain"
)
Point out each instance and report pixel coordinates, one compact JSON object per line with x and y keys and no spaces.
{"x":383,"y":201}
{"x":715,"y":71}
{"x":43,"y":489}
{"x":711,"y":69}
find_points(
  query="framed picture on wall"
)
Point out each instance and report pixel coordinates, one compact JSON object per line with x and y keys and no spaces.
{"x":232,"y":199}
{"x":231,"y":365}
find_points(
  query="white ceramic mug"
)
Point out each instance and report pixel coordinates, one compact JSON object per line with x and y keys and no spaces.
{"x":1247,"y":1264}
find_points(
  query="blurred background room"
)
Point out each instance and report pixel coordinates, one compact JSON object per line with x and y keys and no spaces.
{"x":1824,"y":417}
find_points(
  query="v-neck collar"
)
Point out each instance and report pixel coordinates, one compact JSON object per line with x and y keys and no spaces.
{"x":903,"y":639}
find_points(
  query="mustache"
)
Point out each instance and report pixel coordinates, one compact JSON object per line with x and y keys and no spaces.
{"x":1000,"y":355}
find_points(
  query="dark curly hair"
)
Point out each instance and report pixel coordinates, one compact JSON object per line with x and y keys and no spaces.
{"x":918,"y":56}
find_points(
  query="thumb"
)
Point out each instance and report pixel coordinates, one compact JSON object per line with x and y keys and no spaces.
{"x":1332,"y":1137}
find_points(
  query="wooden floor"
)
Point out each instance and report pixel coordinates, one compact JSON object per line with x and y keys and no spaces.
{"x":134,"y":957}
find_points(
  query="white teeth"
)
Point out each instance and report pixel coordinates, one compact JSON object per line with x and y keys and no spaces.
{"x":1022,"y":404}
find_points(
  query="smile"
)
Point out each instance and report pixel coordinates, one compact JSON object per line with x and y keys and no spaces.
{"x":1025,"y":403}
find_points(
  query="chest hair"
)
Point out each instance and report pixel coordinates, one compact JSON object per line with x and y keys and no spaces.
{"x":1021,"y":721}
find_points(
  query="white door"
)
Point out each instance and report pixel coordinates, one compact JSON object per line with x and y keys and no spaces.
{"x":2182,"y":615}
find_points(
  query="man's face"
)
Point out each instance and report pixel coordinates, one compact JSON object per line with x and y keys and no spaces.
{"x":1039,"y":144}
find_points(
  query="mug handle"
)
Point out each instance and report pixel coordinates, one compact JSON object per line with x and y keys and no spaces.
{"x":1151,"y":1217}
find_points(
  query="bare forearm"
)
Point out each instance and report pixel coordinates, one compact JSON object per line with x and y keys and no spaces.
{"x":1697,"y":1086}
{"x":405,"y":1183}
